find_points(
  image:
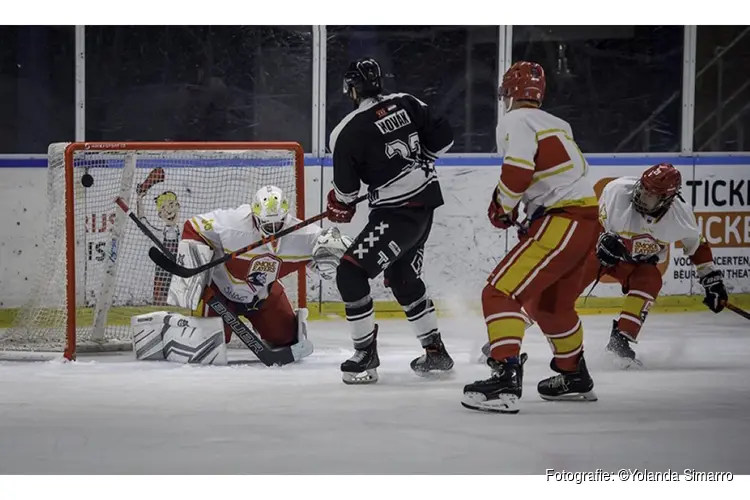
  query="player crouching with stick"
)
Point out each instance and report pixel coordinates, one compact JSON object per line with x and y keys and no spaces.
{"x":247,"y":285}
{"x":640,"y":218}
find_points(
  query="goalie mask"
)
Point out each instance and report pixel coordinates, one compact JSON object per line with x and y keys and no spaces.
{"x":270,"y":210}
{"x":656,"y":189}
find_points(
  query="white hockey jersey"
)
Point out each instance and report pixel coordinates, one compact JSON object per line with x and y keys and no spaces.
{"x":542,"y":164}
{"x":646,"y":236}
{"x":249,"y":275}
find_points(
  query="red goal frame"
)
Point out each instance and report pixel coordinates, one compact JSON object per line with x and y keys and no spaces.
{"x":72,"y":148}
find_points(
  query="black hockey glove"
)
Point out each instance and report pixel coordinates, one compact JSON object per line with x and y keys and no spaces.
{"x":610,"y":249}
{"x":716,"y":294}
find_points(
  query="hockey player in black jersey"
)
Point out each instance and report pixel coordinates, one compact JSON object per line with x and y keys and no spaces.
{"x":389,"y":143}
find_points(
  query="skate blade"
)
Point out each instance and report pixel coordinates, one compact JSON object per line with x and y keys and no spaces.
{"x":361,"y":378}
{"x":435,"y":374}
{"x":579,"y":397}
{"x":625,"y":363}
{"x":505,"y":403}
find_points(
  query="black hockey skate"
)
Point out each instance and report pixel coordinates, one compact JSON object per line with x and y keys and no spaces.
{"x":619,"y":345}
{"x":499,"y":393}
{"x":568,"y":386}
{"x":434,"y":361}
{"x":361,"y":368}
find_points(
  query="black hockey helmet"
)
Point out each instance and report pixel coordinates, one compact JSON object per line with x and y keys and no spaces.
{"x":364,"y":76}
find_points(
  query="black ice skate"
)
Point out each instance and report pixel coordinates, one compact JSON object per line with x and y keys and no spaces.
{"x":361,"y":368}
{"x":568,"y":386}
{"x":434,"y":361}
{"x":499,"y":393}
{"x":619,"y":345}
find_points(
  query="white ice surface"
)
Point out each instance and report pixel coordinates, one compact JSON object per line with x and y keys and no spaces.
{"x":689,"y":407}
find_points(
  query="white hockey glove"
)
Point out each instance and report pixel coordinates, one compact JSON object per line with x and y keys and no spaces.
{"x":327,"y":252}
{"x":186,"y":292}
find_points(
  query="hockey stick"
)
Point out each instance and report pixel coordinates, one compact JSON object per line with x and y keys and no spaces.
{"x":169,"y":264}
{"x":737,"y":310}
{"x":144,"y":229}
{"x":267,"y":356}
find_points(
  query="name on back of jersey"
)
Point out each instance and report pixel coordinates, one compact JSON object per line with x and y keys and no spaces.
{"x":393,"y":122}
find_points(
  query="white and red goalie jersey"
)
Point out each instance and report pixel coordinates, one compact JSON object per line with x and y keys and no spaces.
{"x":247,"y":277}
{"x":646,"y":236}
{"x":542,"y":164}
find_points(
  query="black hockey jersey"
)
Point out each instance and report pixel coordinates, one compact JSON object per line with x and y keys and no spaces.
{"x":390,"y":143}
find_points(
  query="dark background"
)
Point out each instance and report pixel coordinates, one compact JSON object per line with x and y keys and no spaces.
{"x":620,"y":87}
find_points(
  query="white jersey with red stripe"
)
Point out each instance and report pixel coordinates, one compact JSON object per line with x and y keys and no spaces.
{"x":248,"y":276}
{"x":646,"y":236}
{"x":542,"y":164}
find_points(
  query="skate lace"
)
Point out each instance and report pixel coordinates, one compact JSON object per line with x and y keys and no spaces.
{"x":359,"y":355}
{"x":558,"y":381}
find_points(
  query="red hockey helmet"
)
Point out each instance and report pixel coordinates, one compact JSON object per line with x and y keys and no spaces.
{"x":656,"y":189}
{"x":524,"y":81}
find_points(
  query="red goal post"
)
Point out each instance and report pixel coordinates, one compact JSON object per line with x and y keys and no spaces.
{"x":106,"y":255}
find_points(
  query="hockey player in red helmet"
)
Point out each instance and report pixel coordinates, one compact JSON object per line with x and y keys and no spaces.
{"x":641,"y":217}
{"x":544,"y":173}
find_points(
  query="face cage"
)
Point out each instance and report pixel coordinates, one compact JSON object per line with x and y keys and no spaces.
{"x":649,"y":204}
{"x":268,"y":228}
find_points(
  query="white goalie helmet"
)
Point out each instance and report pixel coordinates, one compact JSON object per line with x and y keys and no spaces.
{"x":270,"y":209}
{"x":328,"y":250}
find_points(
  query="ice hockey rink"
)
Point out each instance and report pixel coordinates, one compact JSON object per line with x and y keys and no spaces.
{"x":687,"y":408}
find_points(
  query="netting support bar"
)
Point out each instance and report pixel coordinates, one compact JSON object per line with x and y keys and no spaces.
{"x":80,"y":84}
{"x":689,"y":76}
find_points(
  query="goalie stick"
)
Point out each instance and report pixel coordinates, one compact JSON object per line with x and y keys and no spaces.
{"x":269,"y":357}
{"x":163,"y":260}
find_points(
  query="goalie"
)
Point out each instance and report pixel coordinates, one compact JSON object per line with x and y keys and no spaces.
{"x":248,"y":285}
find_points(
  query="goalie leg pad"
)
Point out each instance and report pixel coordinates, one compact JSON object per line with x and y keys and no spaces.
{"x":303,"y":347}
{"x":180,"y":339}
{"x":186,"y":292}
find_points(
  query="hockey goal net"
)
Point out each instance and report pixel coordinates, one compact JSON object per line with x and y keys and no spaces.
{"x":96,"y":274}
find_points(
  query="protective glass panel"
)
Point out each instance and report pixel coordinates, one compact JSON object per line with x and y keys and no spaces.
{"x":37,"y":87}
{"x":620,"y":87}
{"x":451,"y":68}
{"x":722,"y":89}
{"x":199,"y":83}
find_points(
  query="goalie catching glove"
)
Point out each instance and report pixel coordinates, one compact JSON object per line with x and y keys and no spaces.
{"x":327,"y":252}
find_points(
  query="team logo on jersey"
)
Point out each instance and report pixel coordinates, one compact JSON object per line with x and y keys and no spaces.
{"x":644,"y":245}
{"x":264,"y":270}
{"x":393,"y":122}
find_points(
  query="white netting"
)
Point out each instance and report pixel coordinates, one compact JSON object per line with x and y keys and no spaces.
{"x":164,"y":188}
